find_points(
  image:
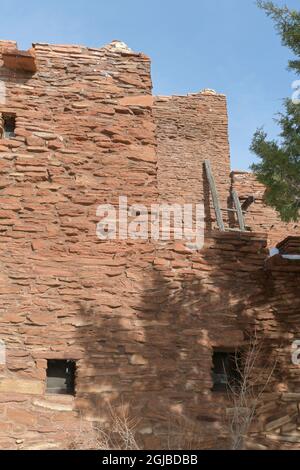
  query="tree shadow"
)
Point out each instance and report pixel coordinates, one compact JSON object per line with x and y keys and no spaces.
{"x":152,"y":352}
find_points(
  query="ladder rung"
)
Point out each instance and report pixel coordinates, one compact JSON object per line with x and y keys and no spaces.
{"x":215,"y":199}
{"x":231,"y":210}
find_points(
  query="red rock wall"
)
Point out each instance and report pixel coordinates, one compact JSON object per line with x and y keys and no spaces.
{"x":84,"y":136}
{"x":140,"y":318}
{"x":260,"y":217}
{"x":191,"y":129}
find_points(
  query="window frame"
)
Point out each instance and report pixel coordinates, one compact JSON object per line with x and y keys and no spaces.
{"x":231,"y":375}
{"x":8,"y":120}
{"x":61,"y":377}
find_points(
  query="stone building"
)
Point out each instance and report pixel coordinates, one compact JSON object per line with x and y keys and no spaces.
{"x":89,"y":322}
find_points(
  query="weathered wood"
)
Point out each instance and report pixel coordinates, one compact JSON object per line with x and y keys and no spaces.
{"x":214,"y":195}
{"x":277,"y":423}
{"x":230,"y":210}
{"x":239,"y":211}
{"x":290,"y":396}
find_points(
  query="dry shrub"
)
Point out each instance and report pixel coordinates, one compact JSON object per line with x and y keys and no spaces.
{"x":255,"y":373}
{"x":118,"y":433}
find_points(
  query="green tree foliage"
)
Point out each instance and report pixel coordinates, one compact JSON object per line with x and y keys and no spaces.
{"x":279,"y":165}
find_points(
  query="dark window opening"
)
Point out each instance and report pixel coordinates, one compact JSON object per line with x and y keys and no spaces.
{"x":61,"y":376}
{"x":226,"y":370}
{"x":9,"y":126}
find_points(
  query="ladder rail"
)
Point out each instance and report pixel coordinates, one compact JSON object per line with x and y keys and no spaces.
{"x":216,"y":203}
{"x":214,"y":195}
{"x":239,"y":211}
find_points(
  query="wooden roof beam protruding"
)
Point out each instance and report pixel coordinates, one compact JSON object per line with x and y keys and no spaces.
{"x":14,"y":59}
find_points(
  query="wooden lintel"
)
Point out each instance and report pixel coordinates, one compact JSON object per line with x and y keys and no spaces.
{"x":14,"y":59}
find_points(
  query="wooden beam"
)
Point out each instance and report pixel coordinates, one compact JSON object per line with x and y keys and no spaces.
{"x":239,"y":211}
{"x":20,"y":60}
{"x":214,"y":195}
{"x":230,"y":210}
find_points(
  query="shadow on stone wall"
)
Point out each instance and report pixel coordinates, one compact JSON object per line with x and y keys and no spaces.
{"x":155,"y":357}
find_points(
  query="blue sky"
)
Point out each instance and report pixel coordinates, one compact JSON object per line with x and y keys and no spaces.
{"x":227,"y":45}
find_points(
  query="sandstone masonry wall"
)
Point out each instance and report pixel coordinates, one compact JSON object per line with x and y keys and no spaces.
{"x":191,"y":129}
{"x":84,"y":136}
{"x":140,"y":318}
{"x":259,"y":216}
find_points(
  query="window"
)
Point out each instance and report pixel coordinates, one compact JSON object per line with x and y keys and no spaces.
{"x":225,"y":370}
{"x":61,"y":376}
{"x":8,"y":126}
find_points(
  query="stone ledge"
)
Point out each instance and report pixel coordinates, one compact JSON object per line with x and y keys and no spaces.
{"x":29,"y":387}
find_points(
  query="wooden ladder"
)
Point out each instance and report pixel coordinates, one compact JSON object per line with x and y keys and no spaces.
{"x":216,"y":203}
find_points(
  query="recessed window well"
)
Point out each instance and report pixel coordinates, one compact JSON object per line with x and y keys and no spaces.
{"x":8,"y":126}
{"x":225,"y":370}
{"x":61,"y":376}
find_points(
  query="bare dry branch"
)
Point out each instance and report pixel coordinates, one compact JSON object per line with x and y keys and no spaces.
{"x":246,"y":393}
